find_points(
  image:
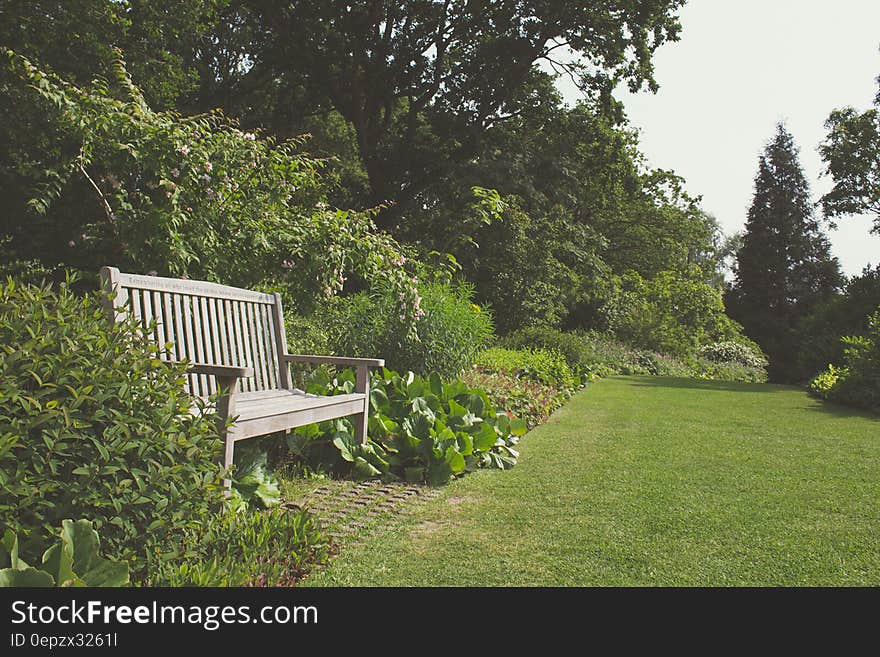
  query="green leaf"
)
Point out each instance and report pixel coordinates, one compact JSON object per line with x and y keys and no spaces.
{"x":29,"y":577}
{"x":363,"y":470}
{"x":454,"y":459}
{"x":435,"y":384}
{"x":518,"y":427}
{"x":58,"y":562}
{"x":485,"y":438}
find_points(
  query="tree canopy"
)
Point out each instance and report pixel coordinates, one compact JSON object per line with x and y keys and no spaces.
{"x":784,"y":268}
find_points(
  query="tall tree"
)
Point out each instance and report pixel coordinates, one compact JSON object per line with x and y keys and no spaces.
{"x":851,"y":152}
{"x":385,"y":64}
{"x":784,"y":268}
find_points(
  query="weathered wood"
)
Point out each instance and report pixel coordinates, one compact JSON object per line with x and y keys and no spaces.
{"x":192,"y":288}
{"x":220,"y":370}
{"x":228,"y":389}
{"x":362,"y":386}
{"x":235,"y":347}
{"x":113,"y":293}
{"x":280,"y":343}
{"x":260,"y":426}
{"x":334,"y":360}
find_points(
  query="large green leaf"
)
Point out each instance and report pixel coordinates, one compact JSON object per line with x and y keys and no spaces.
{"x":82,"y":540}
{"x":485,"y":438}
{"x":454,"y":459}
{"x":439,"y":473}
{"x":363,"y":469}
{"x":436,"y":384}
{"x":58,"y":562}
{"x":28,"y":577}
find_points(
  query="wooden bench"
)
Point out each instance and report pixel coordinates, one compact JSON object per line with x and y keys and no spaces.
{"x":235,"y":344}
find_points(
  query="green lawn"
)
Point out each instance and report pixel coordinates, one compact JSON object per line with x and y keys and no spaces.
{"x":654,"y":481}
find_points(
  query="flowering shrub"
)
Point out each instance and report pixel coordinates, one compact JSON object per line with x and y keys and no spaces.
{"x":192,"y":197}
{"x":729,"y":351}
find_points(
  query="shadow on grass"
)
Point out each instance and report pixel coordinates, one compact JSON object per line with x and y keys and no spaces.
{"x":813,"y":404}
{"x":702,"y":384}
{"x":840,"y":411}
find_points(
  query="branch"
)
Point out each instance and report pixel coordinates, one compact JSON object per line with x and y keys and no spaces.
{"x":107,"y":209}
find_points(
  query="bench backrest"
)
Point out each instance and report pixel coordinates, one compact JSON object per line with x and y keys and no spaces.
{"x":205,"y":323}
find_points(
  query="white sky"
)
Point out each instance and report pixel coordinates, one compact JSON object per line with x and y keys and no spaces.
{"x":739,"y":68}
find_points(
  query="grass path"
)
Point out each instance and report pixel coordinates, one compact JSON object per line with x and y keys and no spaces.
{"x":653,"y":481}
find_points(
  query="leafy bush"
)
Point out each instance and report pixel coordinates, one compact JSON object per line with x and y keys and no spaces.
{"x":824,"y":382}
{"x":524,"y":398}
{"x":93,"y":424}
{"x":729,"y":351}
{"x":857,"y":382}
{"x":268,"y":548}
{"x":420,"y":430}
{"x":547,"y":367}
{"x":75,"y":560}
{"x":253,"y":483}
{"x":672,"y":313}
{"x":113,"y":181}
{"x":450,"y":329}
{"x":596,"y":354}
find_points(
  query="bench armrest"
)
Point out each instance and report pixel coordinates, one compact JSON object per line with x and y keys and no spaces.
{"x":220,"y":370}
{"x":333,"y":360}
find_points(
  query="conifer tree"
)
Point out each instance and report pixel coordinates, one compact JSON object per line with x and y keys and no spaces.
{"x":784,"y":268}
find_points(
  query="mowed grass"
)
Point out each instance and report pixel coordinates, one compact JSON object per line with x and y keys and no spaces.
{"x":654,"y":481}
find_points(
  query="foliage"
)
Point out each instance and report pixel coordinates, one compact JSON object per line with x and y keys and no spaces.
{"x":91,"y":422}
{"x":818,"y":334}
{"x":526,"y":398}
{"x":547,"y":367}
{"x":672,"y":313}
{"x":851,"y":151}
{"x":253,"y":483}
{"x":421,"y":62}
{"x":745,"y":353}
{"x":73,"y":561}
{"x":824,"y":382}
{"x":857,"y":381}
{"x":449,"y":331}
{"x":420,"y":429}
{"x":593,"y":354}
{"x":267,"y":548}
{"x":179,"y":196}
{"x":784,"y":268}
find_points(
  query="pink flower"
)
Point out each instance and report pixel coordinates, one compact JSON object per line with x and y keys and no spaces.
{"x":208,"y":166}
{"x":250,"y":136}
{"x":184,"y":149}
{"x":400,"y":261}
{"x":175,"y":172}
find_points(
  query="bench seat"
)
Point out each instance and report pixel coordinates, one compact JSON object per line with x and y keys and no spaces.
{"x":259,"y":413}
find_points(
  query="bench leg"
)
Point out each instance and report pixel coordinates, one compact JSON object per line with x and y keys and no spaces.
{"x":229,"y":451}
{"x":225,"y":409}
{"x":361,"y":420}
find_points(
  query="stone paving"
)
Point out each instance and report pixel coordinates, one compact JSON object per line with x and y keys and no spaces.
{"x":358,"y":511}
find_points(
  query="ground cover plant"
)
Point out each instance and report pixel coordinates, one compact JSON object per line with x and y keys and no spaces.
{"x":420,"y":430}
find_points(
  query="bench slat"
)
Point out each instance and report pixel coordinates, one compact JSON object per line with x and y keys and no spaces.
{"x":248,"y":427}
{"x":192,"y":288}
